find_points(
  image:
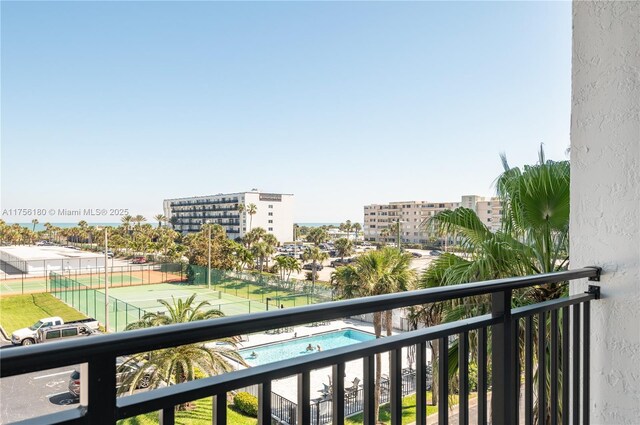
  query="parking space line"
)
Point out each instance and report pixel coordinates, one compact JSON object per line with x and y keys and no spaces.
{"x":53,"y":395}
{"x":53,"y":374}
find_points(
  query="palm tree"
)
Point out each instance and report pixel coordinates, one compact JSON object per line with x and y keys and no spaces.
{"x":139,"y":219}
{"x":34,"y":222}
{"x":357,"y":227}
{"x":262,"y":250}
{"x":344,"y":247}
{"x":160,"y":218}
{"x":126,"y":222}
{"x":316,"y":256}
{"x":252,"y":209}
{"x":243,"y":257}
{"x":317,"y":235}
{"x":173,"y":221}
{"x":286,"y":265}
{"x":179,"y":364}
{"x":346,"y":227}
{"x":254,"y":236}
{"x":375,"y":273}
{"x":272,"y":244}
{"x":533,"y":239}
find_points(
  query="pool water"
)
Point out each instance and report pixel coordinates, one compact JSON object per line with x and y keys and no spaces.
{"x":298,"y":347}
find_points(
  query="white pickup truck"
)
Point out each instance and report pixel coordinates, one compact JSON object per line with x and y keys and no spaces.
{"x":28,"y":336}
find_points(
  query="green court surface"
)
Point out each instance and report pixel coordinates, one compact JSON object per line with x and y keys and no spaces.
{"x":97,"y":281}
{"x":146,"y":297}
{"x":20,"y":286}
{"x":25,"y":286}
{"x":276,"y":295}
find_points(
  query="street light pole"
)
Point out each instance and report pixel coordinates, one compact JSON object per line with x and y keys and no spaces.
{"x":106,"y":282}
{"x":398,"y":224}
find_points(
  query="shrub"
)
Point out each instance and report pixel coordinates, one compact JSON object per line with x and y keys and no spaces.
{"x":246,"y":403}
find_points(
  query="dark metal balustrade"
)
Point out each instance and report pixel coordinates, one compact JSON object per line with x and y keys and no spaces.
{"x":566,"y":343}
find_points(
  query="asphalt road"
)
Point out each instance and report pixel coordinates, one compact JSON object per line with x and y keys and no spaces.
{"x":35,"y":394}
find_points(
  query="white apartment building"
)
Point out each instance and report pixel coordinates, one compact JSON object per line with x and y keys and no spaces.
{"x":380,"y":219}
{"x":489,"y":210}
{"x":274,"y":213}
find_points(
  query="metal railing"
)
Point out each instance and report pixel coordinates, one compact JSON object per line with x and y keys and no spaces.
{"x":560,"y":391}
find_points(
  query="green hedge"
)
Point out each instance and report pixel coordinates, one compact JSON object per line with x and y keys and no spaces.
{"x":246,"y":403}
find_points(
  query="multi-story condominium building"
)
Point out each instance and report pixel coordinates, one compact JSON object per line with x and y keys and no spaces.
{"x":489,"y":210}
{"x":274,"y":213}
{"x":380,"y":219}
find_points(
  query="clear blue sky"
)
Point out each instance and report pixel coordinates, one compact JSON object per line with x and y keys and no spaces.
{"x":123,"y":104}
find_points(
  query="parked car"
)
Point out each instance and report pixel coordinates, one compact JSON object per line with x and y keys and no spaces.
{"x":416,"y":254}
{"x":27,"y":336}
{"x":309,"y":266}
{"x":342,"y":262}
{"x":139,"y":260}
{"x":63,"y":332}
{"x":435,"y":253}
{"x":124,"y":370}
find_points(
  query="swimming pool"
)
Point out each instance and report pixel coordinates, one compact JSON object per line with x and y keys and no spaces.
{"x":298,"y":347}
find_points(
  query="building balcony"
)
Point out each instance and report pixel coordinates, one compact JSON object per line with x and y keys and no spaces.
{"x":556,"y":380}
{"x":203,"y":202}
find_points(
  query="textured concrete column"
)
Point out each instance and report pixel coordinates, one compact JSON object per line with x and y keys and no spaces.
{"x":605,"y":197}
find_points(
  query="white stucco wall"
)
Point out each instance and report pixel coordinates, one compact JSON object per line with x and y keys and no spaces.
{"x":605,"y":197}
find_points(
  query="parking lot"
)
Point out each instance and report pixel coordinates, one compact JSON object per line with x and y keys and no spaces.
{"x":418,"y":264}
{"x":35,"y":394}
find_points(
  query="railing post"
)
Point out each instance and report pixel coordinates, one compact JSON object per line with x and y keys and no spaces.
{"x":503,"y":400}
{"x":101,"y":390}
{"x":264,"y":403}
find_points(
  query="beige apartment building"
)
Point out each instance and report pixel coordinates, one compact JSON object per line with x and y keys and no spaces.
{"x":380,"y":219}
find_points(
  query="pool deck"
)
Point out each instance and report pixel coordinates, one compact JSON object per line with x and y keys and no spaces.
{"x":287,"y":387}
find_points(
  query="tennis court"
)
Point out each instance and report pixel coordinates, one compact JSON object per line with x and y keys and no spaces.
{"x":23,"y":286}
{"x":117,"y":276}
{"x":146,"y":298}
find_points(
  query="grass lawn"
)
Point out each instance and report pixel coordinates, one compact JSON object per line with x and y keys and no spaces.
{"x":201,"y":415}
{"x":19,"y":311}
{"x":408,"y":410}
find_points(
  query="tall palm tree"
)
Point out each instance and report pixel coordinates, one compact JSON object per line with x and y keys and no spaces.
{"x":179,"y":364}
{"x":126,"y":222}
{"x":139,"y":219}
{"x":375,"y":273}
{"x":251,"y":209}
{"x":34,"y":222}
{"x":272,"y":244}
{"x":346,"y":227}
{"x":160,"y":218}
{"x":533,"y":239}
{"x":315,"y":255}
{"x":287,"y":265}
{"x":262,"y":250}
{"x":357,"y":227}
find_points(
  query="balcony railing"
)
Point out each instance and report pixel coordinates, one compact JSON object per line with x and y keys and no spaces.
{"x":565,"y":346}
